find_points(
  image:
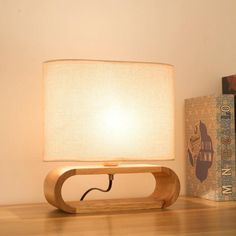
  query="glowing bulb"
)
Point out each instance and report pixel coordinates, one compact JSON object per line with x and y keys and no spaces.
{"x":116,"y":119}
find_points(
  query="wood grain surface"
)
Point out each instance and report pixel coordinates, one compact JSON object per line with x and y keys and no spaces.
{"x":188,"y":216}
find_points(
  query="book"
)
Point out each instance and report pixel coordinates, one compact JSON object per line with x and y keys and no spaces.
{"x":210,"y":142}
{"x":229,"y":84}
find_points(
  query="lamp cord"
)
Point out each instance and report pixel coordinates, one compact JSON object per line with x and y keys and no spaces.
{"x":111,"y":177}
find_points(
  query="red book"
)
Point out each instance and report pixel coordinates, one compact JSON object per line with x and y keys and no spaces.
{"x":229,"y":84}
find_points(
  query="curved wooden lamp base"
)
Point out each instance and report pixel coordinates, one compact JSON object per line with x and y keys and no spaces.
{"x":166,"y":191}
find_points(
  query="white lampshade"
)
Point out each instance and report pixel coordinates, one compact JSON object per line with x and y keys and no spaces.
{"x":108,"y":111}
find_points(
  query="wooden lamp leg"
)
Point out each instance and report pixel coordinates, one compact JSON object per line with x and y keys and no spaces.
{"x":167,"y":187}
{"x":166,"y":191}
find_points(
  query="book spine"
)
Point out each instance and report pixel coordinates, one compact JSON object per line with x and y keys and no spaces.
{"x":229,"y":84}
{"x":225,"y":166}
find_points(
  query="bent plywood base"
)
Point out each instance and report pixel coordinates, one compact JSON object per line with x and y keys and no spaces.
{"x":166,"y":191}
{"x":108,"y":205}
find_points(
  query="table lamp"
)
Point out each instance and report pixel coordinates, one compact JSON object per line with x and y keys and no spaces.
{"x":112,"y":114}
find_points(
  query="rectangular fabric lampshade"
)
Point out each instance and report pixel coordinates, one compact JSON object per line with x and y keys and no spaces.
{"x":108,"y":111}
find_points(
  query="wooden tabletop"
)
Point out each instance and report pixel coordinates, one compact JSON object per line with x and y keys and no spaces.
{"x":188,"y":216}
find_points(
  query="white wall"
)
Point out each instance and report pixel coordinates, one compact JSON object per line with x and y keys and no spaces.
{"x":197,"y":36}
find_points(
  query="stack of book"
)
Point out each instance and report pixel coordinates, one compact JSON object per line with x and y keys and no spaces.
{"x":210,"y":141}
